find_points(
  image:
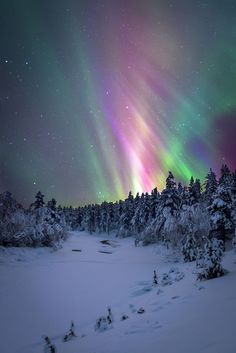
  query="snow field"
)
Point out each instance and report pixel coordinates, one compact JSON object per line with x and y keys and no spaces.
{"x":42,"y":291}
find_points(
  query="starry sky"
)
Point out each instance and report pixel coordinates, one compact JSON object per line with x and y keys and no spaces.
{"x":101,"y":97}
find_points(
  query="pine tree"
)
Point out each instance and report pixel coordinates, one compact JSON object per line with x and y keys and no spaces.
{"x":39,"y":201}
{"x":170,"y":182}
{"x":210,"y":186}
{"x":154,"y":202}
{"x":126,"y":224}
{"x":52,"y":204}
{"x":226,"y":177}
{"x":220,"y":213}
{"x":169,"y":196}
{"x":197,"y":190}
{"x":191,"y":196}
{"x":189,"y":249}
{"x":194,"y":191}
{"x":211,"y":259}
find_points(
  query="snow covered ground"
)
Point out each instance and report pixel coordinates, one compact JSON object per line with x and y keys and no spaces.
{"x":42,"y":291}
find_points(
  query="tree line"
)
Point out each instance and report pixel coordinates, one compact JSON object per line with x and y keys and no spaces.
{"x":176,"y":215}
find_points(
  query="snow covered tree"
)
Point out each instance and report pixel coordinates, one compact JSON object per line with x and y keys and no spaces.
{"x":189,"y":249}
{"x":39,"y":201}
{"x":52,"y":204}
{"x":210,"y":186}
{"x":170,"y":182}
{"x":126,"y":224}
{"x":154,"y":203}
{"x":13,"y":221}
{"x":194,"y":221}
{"x":211,"y":259}
{"x":194,"y":191}
{"x":190,"y":189}
{"x":220,"y":213}
{"x":226,"y":177}
{"x":169,"y":196}
{"x":8,"y":205}
{"x":197,"y":190}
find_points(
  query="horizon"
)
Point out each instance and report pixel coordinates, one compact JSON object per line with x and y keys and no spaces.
{"x":185,"y":185}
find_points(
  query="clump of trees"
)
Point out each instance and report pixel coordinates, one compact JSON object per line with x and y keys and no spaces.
{"x":179,"y":215}
{"x":40,"y":225}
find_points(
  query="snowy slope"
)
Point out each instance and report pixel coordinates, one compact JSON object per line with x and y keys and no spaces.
{"x":42,"y":291}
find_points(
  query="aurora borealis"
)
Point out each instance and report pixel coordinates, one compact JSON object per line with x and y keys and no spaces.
{"x":102,"y":97}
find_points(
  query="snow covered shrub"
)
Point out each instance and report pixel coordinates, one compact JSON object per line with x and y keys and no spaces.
{"x":124,"y":317}
{"x":154,"y":281}
{"x":110,"y":318}
{"x":211,"y":259}
{"x":189,"y":249}
{"x":220,"y":213}
{"x":166,"y":279}
{"x":141,"y":310}
{"x":70,"y":334}
{"x":49,"y":347}
{"x":175,"y":274}
{"x":104,"y":322}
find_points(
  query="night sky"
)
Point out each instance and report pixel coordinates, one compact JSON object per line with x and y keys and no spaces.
{"x":101,"y":97}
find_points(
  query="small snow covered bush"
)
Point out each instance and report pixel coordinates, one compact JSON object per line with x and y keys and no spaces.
{"x":70,"y":334}
{"x":175,"y":274}
{"x":104,"y":322}
{"x":166,"y":279}
{"x":49,"y":347}
{"x":124,"y":317}
{"x":211,"y":259}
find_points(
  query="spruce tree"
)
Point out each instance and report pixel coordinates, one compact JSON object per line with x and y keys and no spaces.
{"x":189,"y":249}
{"x":39,"y":201}
{"x":220,"y":213}
{"x":169,"y":196}
{"x":170,"y":182}
{"x":226,"y":177}
{"x":210,"y":186}
{"x":213,"y":253}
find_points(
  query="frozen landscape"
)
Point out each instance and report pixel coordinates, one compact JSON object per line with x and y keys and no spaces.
{"x":43,"y":290}
{"x":118,"y":176}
